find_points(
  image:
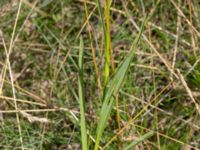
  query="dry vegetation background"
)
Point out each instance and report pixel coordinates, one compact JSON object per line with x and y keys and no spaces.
{"x":157,"y":106}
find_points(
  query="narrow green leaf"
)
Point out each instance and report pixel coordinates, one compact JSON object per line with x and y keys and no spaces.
{"x":113,"y":89}
{"x":101,"y":17}
{"x":80,"y":61}
{"x":106,"y":31}
{"x":81,"y":98}
{"x":139,"y":140}
{"x":108,"y":42}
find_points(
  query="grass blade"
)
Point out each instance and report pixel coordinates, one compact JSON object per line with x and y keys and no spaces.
{"x":107,"y":41}
{"x":113,"y":89}
{"x":139,"y":140}
{"x":81,"y":98}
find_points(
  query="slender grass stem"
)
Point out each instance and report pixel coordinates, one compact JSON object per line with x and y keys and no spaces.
{"x":108,"y":42}
{"x":92,"y":47}
{"x":82,"y":99}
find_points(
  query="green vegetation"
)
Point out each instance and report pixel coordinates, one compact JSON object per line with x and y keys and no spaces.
{"x":99,"y":74}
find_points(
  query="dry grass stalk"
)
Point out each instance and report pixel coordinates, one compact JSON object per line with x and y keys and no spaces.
{"x":188,"y":90}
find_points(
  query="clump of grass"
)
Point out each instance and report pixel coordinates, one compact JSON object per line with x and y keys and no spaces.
{"x":52,"y":80}
{"x":113,"y":89}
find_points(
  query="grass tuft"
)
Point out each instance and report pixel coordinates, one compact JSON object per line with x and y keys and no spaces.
{"x":113,"y":89}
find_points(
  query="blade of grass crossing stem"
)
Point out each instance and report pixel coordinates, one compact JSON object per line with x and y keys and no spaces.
{"x":139,"y":140}
{"x":113,"y":89}
{"x":81,"y":98}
